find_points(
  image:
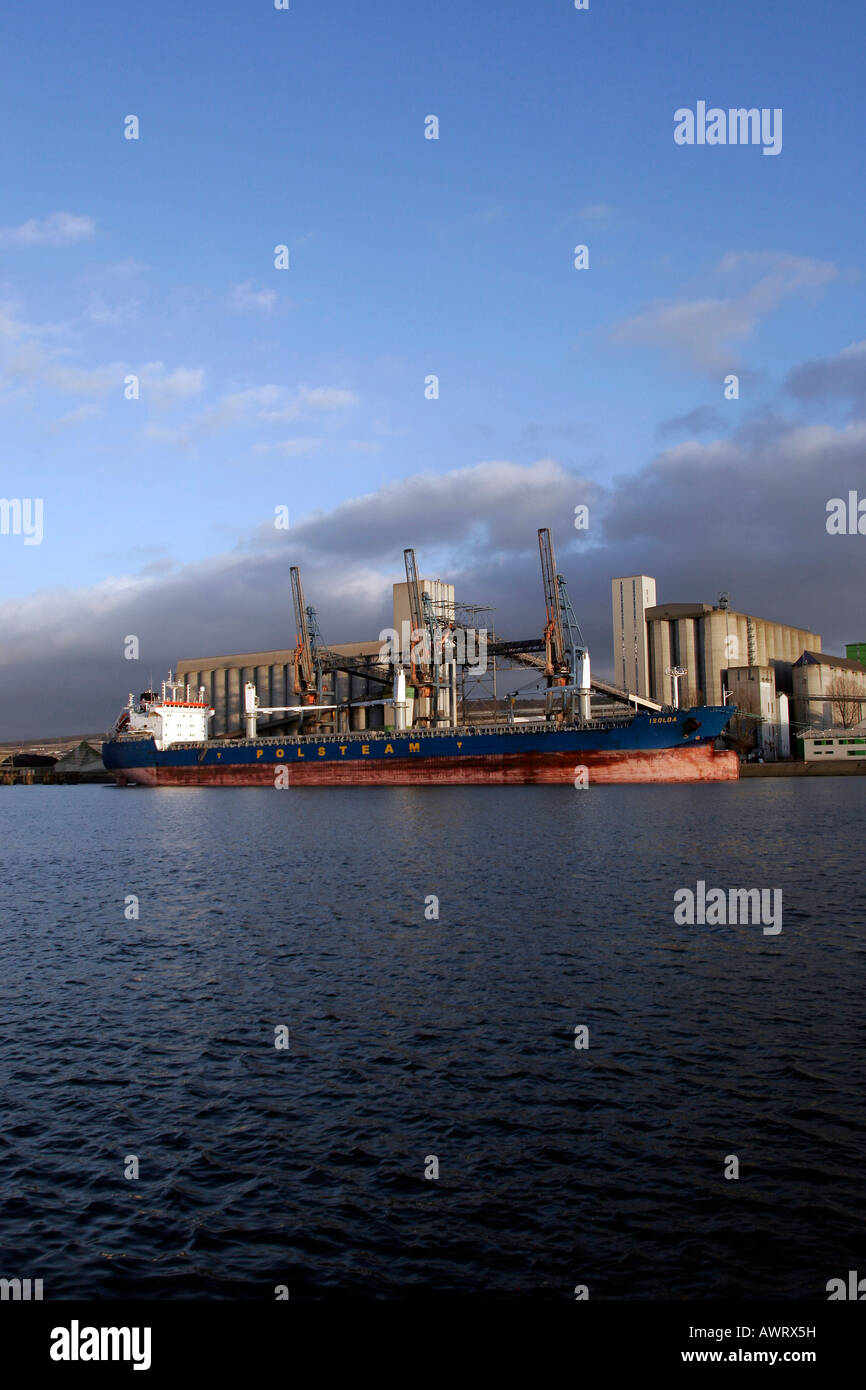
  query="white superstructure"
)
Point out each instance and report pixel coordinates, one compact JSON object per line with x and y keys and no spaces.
{"x":175,"y":716}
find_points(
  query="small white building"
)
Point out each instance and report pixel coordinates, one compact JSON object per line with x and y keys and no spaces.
{"x":838,"y":744}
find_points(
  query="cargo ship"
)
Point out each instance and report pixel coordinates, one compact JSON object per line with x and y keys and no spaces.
{"x":163,"y":739}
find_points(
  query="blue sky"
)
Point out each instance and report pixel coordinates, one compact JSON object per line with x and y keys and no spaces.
{"x":408,"y":257}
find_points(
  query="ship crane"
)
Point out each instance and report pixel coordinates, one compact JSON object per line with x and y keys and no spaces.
{"x":317,"y":646}
{"x":312,"y":660}
{"x":443,"y":665}
{"x":566,"y":656}
{"x":308,"y":665}
{"x":306,"y":683}
{"x":421,"y":670}
{"x":555,"y":665}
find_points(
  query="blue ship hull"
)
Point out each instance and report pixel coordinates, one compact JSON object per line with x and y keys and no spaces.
{"x":677,"y":746}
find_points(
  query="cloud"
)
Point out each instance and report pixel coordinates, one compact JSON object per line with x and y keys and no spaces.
{"x":245,"y":297}
{"x":237,"y":405}
{"x":783,"y":274}
{"x":12,"y":327}
{"x":703,"y":420}
{"x":490,"y":508}
{"x":701,"y":516}
{"x":269,"y":404}
{"x":80,"y":416}
{"x":40,"y":367}
{"x":33,"y":364}
{"x":232,"y":409}
{"x":595,"y":212}
{"x":758,"y":498}
{"x":309,"y":400}
{"x":289,"y":447}
{"x":117,"y":270}
{"x":538,"y":434}
{"x":166,"y":388}
{"x":841,"y":378}
{"x":326,"y":398}
{"x":478,"y":521}
{"x":702,"y":332}
{"x":59,"y":229}
{"x":100,"y":313}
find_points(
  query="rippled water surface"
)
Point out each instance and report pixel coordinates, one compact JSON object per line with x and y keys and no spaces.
{"x":412,"y":1037}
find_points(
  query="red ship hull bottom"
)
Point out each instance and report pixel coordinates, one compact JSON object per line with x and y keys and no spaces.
{"x":696,"y":763}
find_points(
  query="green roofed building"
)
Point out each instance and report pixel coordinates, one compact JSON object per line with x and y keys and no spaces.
{"x":856,"y":651}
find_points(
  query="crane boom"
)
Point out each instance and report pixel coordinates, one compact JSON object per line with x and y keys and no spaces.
{"x":416,"y":611}
{"x":414,"y":591}
{"x":556,"y":664}
{"x":305,"y":676}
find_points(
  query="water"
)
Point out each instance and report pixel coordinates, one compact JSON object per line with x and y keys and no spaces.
{"x":411,"y":1038}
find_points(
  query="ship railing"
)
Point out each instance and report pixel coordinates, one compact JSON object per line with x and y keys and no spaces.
{"x":377,"y":735}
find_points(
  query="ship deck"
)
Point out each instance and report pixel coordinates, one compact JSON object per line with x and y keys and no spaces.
{"x":541,"y":726}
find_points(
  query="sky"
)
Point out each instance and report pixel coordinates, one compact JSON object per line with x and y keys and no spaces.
{"x":306,"y":387}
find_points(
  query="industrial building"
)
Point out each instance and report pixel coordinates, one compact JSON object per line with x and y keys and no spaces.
{"x":273,"y":674}
{"x":700,"y":653}
{"x":776,"y":675}
{"x":652,"y":641}
{"x":822,"y":697}
{"x":632,"y":598}
{"x":764,"y":721}
{"x":828,"y":690}
{"x":441,"y":597}
{"x":707,"y":641}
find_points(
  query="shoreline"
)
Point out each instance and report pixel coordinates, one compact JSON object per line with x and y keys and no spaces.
{"x":828,"y":769}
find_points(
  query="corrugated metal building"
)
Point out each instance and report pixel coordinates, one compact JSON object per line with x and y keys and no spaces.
{"x":273,"y":675}
{"x":707,"y":641}
{"x":828,"y":690}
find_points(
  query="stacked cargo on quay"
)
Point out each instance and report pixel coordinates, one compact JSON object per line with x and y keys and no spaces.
{"x":162,"y":739}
